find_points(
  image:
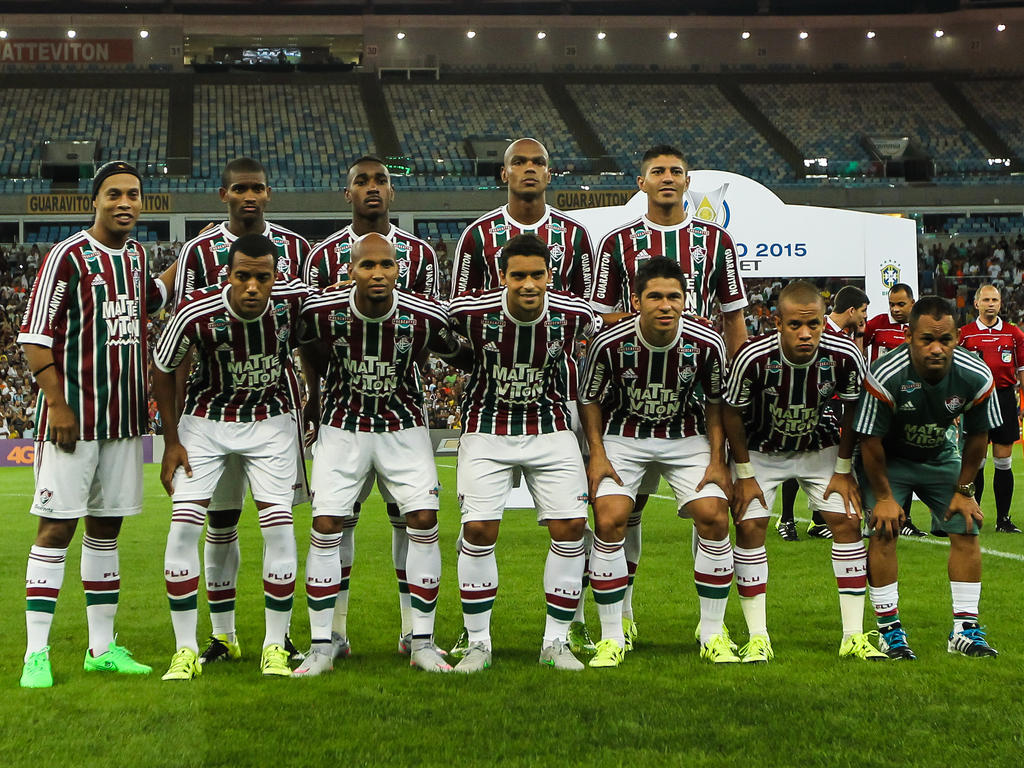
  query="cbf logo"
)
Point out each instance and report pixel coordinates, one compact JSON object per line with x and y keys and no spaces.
{"x":709,"y":206}
{"x":890,"y":272}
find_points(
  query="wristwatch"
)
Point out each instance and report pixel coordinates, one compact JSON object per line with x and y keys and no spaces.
{"x":966,"y":489}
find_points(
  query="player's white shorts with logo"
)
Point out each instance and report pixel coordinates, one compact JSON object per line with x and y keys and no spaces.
{"x":682,"y":461}
{"x":100,"y":478}
{"x":552,"y":467}
{"x":382,"y":486}
{"x":265,"y":450}
{"x":343,"y":463}
{"x":812,"y":469}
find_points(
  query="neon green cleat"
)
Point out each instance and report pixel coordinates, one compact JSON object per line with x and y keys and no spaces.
{"x":221,"y":649}
{"x":719,"y":649}
{"x":607,"y":654}
{"x":860,"y":647}
{"x":629,"y":629}
{"x":275,"y":661}
{"x":37,"y":673}
{"x":725,"y":633}
{"x":184,"y":666}
{"x":758,"y":650}
{"x":461,"y":647}
{"x":579,"y":638}
{"x":117,"y":658}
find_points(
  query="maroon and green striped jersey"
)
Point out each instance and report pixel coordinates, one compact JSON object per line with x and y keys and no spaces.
{"x":519,"y":384}
{"x":243,"y":367}
{"x":648,"y":391}
{"x":203,"y":260}
{"x":705,"y":253}
{"x":90,"y":306}
{"x":571,"y":254}
{"x":373,"y":379}
{"x":330,"y":261}
{"x":786,"y":406}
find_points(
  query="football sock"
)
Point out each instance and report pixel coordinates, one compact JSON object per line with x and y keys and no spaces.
{"x":966,"y":596}
{"x":712,"y":573}
{"x":817,"y":518}
{"x":44,"y":575}
{"x":885,"y":601}
{"x":588,"y":546}
{"x":633,"y":547}
{"x":752,"y":584}
{"x":323,"y":575}
{"x":1002,"y":487}
{"x":400,"y":557}
{"x":789,"y":489}
{"x":478,"y":585}
{"x":608,"y":579}
{"x":221,"y":560}
{"x":423,"y":567}
{"x":102,"y":582}
{"x":346,"y":556}
{"x":850,"y":566}
{"x":181,"y":571}
{"x":279,"y":566}
{"x":563,"y":586}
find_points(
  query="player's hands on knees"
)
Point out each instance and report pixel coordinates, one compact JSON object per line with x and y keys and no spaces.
{"x":966,"y":506}
{"x":887,"y":518}
{"x":597,"y":470}
{"x":174,"y":456}
{"x":744,"y":491}
{"x":63,"y":426}
{"x":719,"y":474}
{"x":844,"y":484}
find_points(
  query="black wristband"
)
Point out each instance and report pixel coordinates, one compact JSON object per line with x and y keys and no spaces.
{"x":35,"y":374}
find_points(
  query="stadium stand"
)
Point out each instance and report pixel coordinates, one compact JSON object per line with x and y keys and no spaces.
{"x":999,"y":102}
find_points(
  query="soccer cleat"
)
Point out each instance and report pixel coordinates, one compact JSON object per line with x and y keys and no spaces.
{"x":558,"y":656}
{"x":320,"y":659}
{"x":909,"y":529}
{"x":221,"y":649}
{"x":461,"y":646}
{"x":819,"y":531}
{"x":116,"y":658}
{"x":340,"y":647}
{"x":725,"y":633}
{"x":579,"y":638}
{"x":608,"y":653}
{"x":185,"y":665}
{"x":476,"y":658}
{"x":758,"y":650}
{"x":294,"y":654}
{"x":970,"y":641}
{"x":787,"y":530}
{"x":274,"y":662}
{"x":1006,"y":526}
{"x":37,"y":673}
{"x":859,"y":647}
{"x":719,"y":649}
{"x":405,"y":644}
{"x":629,"y":630}
{"x":893,"y":643}
{"x":429,"y":658}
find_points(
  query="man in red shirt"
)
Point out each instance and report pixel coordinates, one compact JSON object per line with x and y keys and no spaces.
{"x":1001,"y":346}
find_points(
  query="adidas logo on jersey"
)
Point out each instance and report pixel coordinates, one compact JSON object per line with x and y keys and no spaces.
{"x":629,"y":373}
{"x":225,"y":347}
{"x":98,"y":282}
{"x":490,"y":346}
{"x":907,"y":406}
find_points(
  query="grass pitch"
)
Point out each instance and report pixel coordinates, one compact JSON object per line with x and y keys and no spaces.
{"x":661,"y":707}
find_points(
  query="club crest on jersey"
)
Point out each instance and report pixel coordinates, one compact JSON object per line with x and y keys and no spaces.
{"x":825,"y":388}
{"x":284,"y":265}
{"x":555,"y":347}
{"x":136,"y":278}
{"x":283,"y":331}
{"x":557,"y":252}
{"x":910,"y":386}
{"x":890,"y":273}
{"x":954,"y":403}
{"x":686,"y":374}
{"x":500,"y":229}
{"x":45,"y":495}
{"x":1006,"y":356}
{"x":219,"y":324}
{"x":403,"y":344}
{"x":403,"y":267}
{"x":698,"y":253}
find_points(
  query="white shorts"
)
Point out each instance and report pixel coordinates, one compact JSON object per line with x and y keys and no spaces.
{"x":343,"y":463}
{"x":266,"y":450}
{"x":812,"y":469}
{"x":682,"y":461}
{"x":651,"y":482}
{"x":552,"y":467}
{"x":372,"y":478}
{"x":232,"y":486}
{"x":100,"y":478}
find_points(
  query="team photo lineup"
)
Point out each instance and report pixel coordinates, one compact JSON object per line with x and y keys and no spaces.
{"x":595,"y":369}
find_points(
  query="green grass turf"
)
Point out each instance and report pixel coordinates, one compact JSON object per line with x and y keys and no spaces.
{"x":661,"y":707}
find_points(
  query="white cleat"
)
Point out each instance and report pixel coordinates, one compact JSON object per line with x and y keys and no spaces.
{"x":558,"y":656}
{"x":317,"y":662}
{"x":476,"y":659}
{"x":340,"y":648}
{"x":429,"y":658}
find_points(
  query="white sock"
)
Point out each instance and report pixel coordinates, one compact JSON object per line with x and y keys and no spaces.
{"x":101,"y":579}
{"x":44,"y":576}
{"x":423,"y":567}
{"x":222,"y":558}
{"x":346,"y":556}
{"x":478,"y":586}
{"x":563,"y":586}
{"x":608,"y":579}
{"x":181,"y":571}
{"x":752,"y":583}
{"x":712,"y":574}
{"x":279,"y":566}
{"x":323,"y":575}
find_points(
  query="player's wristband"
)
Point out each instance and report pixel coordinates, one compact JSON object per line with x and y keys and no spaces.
{"x":744,"y":470}
{"x":843,"y":466}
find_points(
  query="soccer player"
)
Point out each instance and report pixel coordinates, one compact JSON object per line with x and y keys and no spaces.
{"x":238,"y":402}
{"x":707,"y":257}
{"x":1001,"y":346}
{"x":849,"y":312}
{"x":911,"y":397}
{"x":881,"y":334}
{"x":373,"y":422}
{"x":368,"y":188}
{"x":84,"y":338}
{"x":781,"y":423}
{"x":515,"y":414}
{"x":639,"y":411}
{"x":203,"y":262}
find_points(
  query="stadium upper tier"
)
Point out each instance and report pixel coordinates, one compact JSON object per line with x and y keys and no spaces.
{"x":999,"y":102}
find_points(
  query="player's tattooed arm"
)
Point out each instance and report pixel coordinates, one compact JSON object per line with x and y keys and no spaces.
{"x":175,"y":454}
{"x":975,"y":448}
{"x":843,"y":481}
{"x":887,"y":516}
{"x":718,"y":470}
{"x":598,"y":467}
{"x":746,"y":488}
{"x":60,"y":418}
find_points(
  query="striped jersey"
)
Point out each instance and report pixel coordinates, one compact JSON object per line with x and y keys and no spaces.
{"x":329,"y":262}
{"x":912,"y":416}
{"x":704,"y":251}
{"x":786,"y":406}
{"x":518,"y":384}
{"x":243,"y":367}
{"x":373,"y":379}
{"x":882,"y":333}
{"x":90,"y":306}
{"x":571,"y":254}
{"x":647,"y":391}
{"x":1001,"y":347}
{"x":203,"y":260}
